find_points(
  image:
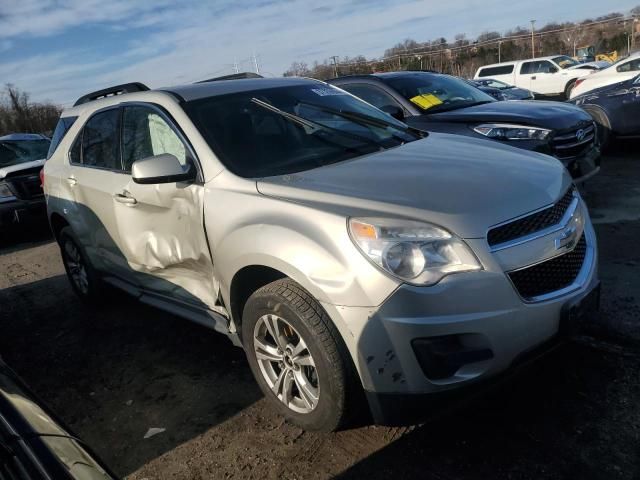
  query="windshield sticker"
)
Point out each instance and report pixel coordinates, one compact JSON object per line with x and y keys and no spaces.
{"x":426,"y":101}
{"x":324,"y":92}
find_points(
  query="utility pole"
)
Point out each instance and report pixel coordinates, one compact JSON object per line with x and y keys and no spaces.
{"x":533,"y":45}
{"x":499,"y":51}
{"x":255,"y":63}
{"x":335,"y":65}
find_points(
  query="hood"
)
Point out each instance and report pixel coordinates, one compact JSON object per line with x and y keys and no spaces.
{"x":460,"y":183}
{"x":552,"y":115}
{"x":4,"y":171}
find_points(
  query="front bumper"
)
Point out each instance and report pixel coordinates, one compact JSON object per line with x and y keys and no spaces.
{"x":17,"y":211}
{"x":482,"y":311}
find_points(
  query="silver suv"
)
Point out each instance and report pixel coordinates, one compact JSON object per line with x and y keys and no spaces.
{"x":345,"y":252}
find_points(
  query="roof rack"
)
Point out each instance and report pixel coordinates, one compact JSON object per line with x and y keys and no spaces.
{"x":233,"y":76}
{"x":112,"y":91}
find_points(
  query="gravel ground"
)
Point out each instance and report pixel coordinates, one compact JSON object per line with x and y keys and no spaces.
{"x":113,"y":373}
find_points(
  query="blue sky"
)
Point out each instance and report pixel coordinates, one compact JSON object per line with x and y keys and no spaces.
{"x":60,"y":49}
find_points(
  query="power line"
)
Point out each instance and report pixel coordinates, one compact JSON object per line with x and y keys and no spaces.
{"x":413,"y":52}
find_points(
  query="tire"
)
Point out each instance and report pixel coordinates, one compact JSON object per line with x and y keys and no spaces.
{"x":285,"y":307}
{"x":81,"y":274}
{"x":568,"y":88}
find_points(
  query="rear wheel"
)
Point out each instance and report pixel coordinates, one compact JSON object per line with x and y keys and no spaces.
{"x":297,"y":356}
{"x":80,"y":273}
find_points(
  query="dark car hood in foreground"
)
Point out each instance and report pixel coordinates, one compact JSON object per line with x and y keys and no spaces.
{"x":34,"y":430}
{"x":552,"y":115}
{"x":461,"y":183}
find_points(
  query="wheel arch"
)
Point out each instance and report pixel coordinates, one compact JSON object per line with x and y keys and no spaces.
{"x":244,"y":283}
{"x":57,"y":223}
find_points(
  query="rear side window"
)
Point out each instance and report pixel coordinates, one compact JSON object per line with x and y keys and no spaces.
{"x":632,"y":66}
{"x":63,"y":126}
{"x":492,"y":71}
{"x":541,"y":66}
{"x":100,"y":141}
{"x":145,"y":133}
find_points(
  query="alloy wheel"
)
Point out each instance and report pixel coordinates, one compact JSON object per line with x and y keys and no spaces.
{"x":77,"y":268}
{"x":286,"y":363}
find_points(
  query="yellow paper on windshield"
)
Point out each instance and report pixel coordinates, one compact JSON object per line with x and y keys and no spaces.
{"x":426,"y":101}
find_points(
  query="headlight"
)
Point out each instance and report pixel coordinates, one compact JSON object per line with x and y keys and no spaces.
{"x":5,"y":191}
{"x":501,"y":131}
{"x":415,"y":252}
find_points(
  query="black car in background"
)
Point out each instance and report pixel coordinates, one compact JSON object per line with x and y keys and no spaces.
{"x":442,"y":103}
{"x":615,"y":108}
{"x":34,"y":445}
{"x":491,"y":91}
{"x":509,"y":91}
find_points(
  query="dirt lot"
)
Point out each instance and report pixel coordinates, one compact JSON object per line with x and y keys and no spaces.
{"x":113,"y":374}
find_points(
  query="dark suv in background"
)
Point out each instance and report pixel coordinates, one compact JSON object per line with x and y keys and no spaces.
{"x":21,"y":159}
{"x":441,"y":103}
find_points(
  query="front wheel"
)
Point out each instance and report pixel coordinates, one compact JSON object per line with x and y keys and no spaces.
{"x":568,"y":89}
{"x":296,"y":356}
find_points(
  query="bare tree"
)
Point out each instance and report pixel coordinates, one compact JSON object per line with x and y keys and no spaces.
{"x":19,"y":115}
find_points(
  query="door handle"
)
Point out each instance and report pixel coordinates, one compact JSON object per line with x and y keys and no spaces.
{"x":72,"y":181}
{"x":125,"y":197}
{"x":533,"y":78}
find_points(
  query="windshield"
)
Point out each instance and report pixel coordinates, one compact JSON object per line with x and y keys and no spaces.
{"x":285,"y":130}
{"x":13,"y":152}
{"x":434,"y":93}
{"x":565,"y":62}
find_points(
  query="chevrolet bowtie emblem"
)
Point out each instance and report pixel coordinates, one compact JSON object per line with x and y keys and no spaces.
{"x":567,"y":238}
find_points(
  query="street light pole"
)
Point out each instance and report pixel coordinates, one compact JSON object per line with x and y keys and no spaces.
{"x":499,"y":51}
{"x":533,"y":45}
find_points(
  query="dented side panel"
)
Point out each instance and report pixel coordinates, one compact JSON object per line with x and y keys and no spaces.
{"x":163,"y":239}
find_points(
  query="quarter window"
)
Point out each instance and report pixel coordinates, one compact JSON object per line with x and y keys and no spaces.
{"x":100,"y":141}
{"x":63,"y":126}
{"x":145,"y":133}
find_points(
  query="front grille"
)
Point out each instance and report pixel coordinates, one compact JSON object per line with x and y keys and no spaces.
{"x":532,"y":223}
{"x":552,"y":275}
{"x":568,"y":145}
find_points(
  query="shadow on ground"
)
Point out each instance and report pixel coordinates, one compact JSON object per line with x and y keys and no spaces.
{"x":115,"y":371}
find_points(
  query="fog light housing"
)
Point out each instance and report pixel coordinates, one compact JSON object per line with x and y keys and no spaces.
{"x":441,"y":357}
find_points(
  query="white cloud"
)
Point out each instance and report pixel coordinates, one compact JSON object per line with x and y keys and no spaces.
{"x":169,"y":42}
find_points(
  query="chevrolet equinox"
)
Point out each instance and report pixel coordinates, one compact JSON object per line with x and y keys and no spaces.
{"x":349,"y":255}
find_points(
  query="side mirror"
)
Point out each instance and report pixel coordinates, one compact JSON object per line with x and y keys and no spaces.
{"x":553,"y":69}
{"x":163,"y":168}
{"x":395,"y":111}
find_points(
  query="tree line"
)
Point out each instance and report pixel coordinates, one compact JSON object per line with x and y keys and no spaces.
{"x":462,"y":56}
{"x":18,"y":114}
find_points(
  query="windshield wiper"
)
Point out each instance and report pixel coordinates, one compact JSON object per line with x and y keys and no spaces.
{"x":368,"y":120}
{"x":315,"y":126}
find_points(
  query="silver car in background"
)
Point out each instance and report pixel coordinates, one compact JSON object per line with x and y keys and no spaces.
{"x":345,"y":252}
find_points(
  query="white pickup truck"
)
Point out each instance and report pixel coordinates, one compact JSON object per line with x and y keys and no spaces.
{"x":545,"y":76}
